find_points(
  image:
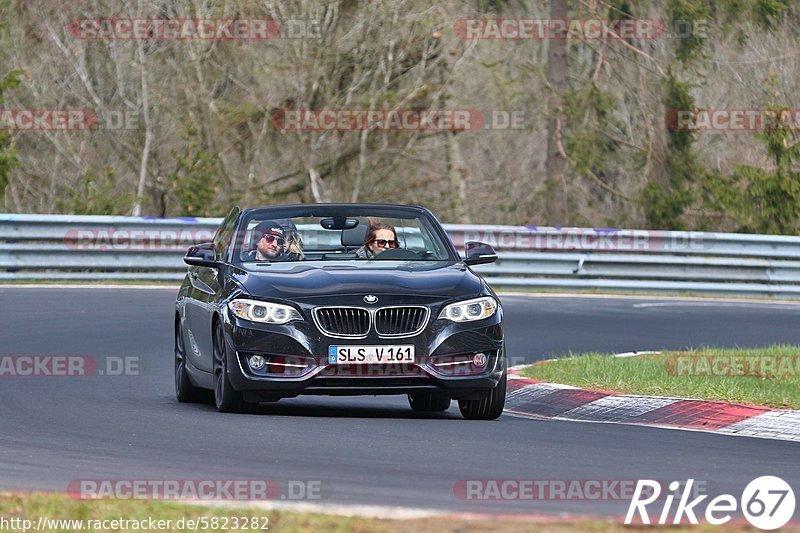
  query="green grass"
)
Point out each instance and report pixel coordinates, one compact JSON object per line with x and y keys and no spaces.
{"x":58,"y":506}
{"x":660,"y":375}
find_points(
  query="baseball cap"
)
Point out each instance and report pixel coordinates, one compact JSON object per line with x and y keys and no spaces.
{"x":267,"y":227}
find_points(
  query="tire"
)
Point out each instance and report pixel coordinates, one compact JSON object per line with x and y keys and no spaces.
{"x":185,"y":392}
{"x":488,"y":408}
{"x":226,"y":398}
{"x":428,"y":402}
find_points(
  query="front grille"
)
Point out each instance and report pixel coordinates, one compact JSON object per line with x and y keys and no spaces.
{"x":369,"y":383}
{"x":400,"y":320}
{"x":342,"y":321}
{"x":389,"y":370}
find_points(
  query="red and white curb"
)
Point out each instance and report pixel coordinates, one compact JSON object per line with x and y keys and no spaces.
{"x":528,"y":397}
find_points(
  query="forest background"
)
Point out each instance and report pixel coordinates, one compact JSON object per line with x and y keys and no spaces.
{"x":187,"y":127}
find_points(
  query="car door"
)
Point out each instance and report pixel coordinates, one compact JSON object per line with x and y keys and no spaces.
{"x":206,"y":288}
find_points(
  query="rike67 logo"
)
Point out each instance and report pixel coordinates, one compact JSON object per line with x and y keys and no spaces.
{"x":767,"y":502}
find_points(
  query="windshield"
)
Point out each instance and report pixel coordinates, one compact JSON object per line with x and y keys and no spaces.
{"x":269,"y":235}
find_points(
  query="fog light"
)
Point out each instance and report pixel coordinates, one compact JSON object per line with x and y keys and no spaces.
{"x":479,"y":360}
{"x":257,"y":362}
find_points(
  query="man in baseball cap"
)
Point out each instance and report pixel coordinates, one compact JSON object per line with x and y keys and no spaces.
{"x":268,"y":240}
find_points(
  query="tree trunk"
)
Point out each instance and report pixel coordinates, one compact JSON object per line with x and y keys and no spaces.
{"x":556,"y":204}
{"x":148,"y":136}
{"x":362,"y":165}
{"x":316,"y":188}
{"x":457,"y":174}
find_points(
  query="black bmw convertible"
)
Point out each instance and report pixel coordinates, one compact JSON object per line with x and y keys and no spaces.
{"x":339,"y":299}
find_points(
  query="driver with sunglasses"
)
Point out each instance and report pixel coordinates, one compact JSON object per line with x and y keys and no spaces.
{"x":380,"y":237}
{"x":268,"y":238}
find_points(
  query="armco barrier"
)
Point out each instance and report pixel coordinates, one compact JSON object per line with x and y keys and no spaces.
{"x":63,"y":247}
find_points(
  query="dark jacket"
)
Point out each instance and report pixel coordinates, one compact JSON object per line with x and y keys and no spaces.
{"x":365,"y":253}
{"x":283,"y":256}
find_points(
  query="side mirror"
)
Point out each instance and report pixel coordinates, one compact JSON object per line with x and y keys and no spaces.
{"x":479,"y":253}
{"x":201,"y":255}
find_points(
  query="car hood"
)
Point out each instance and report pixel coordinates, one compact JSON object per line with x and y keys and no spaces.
{"x":300,"y":280}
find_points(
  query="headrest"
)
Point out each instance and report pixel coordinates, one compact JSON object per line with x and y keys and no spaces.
{"x":354,"y":237}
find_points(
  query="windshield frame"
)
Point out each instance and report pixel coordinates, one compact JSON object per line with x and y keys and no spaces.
{"x":387,"y":211}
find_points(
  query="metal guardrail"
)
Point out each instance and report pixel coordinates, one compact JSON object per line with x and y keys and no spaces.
{"x":63,"y":247}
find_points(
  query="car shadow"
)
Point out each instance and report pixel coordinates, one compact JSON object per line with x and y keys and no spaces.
{"x":327,"y":411}
{"x":333,"y":407}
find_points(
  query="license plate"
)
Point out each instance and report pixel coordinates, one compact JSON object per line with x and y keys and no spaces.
{"x":371,"y":354}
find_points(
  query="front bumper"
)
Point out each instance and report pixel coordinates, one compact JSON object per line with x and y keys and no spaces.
{"x":445,"y":360}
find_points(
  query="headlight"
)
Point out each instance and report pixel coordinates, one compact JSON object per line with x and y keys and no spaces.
{"x":265,"y":312}
{"x":469,"y":310}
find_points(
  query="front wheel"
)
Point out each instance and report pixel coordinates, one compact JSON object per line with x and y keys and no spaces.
{"x":428,"y":402}
{"x":488,"y":408}
{"x":185,"y":392}
{"x":226,"y":398}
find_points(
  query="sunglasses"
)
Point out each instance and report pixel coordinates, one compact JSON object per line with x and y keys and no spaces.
{"x":272,"y":238}
{"x":383,"y":242}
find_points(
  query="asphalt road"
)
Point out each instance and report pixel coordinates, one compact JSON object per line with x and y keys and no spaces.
{"x":363,"y":451}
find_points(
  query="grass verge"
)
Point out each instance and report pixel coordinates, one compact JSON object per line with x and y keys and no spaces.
{"x":53,"y":506}
{"x":767,"y":376}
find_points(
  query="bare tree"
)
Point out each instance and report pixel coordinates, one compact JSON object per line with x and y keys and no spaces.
{"x":203,"y":109}
{"x":557,"y":85}
{"x":148,"y":130}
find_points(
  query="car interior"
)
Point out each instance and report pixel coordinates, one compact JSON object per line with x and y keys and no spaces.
{"x":320,"y":243}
